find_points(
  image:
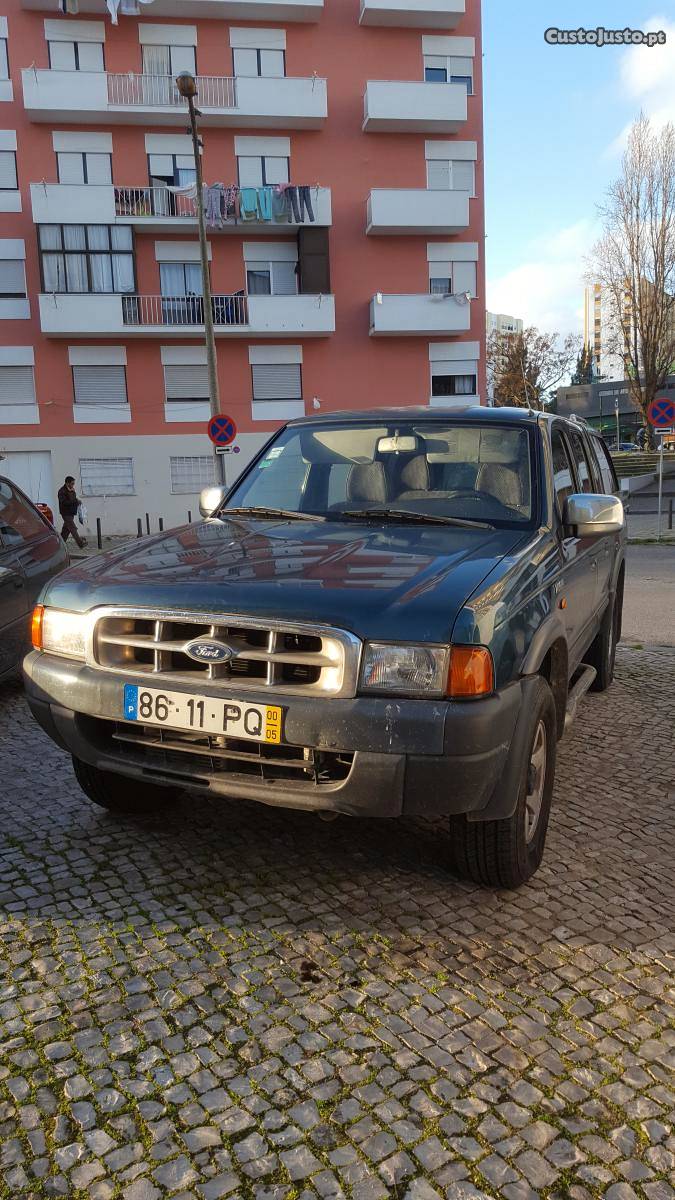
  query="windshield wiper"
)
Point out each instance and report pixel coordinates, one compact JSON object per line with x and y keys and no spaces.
{"x":271,"y":514}
{"x":401,"y":514}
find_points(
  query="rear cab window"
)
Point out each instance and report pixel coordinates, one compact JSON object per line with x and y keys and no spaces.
{"x":605,"y":466}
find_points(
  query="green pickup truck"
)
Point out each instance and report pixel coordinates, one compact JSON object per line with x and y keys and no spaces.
{"x":390,"y":613}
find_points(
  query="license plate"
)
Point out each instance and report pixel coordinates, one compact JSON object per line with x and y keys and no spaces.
{"x":203,"y":714}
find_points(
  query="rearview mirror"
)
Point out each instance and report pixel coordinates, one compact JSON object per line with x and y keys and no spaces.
{"x":592,"y":515}
{"x":210,"y":500}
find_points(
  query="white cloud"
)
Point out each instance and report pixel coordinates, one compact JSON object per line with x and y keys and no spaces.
{"x":646,"y":78}
{"x":547,"y":289}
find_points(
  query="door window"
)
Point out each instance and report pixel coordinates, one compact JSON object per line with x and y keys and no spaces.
{"x":563,"y":478}
{"x":610,"y":485}
{"x":579,"y":455}
{"x":19,"y":522}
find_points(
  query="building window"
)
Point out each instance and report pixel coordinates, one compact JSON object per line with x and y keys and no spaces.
{"x":186,"y":384}
{"x":100,"y":385}
{"x":275,"y":278}
{"x":262,"y":170}
{"x":270,"y":63}
{"x":440,"y":285}
{"x":87,"y":258}
{"x":83,"y":167}
{"x":190,"y":475}
{"x":12,"y":279}
{"x":439,"y":69}
{"x":278,"y":381}
{"x":8,"y":176}
{"x":4,"y":60}
{"x":17,"y":385}
{"x":76,"y":56}
{"x":107,"y":476}
{"x":451,"y":175}
{"x":452,"y":278}
{"x":453,"y":385}
{"x":168,"y":60}
{"x":172,"y":170}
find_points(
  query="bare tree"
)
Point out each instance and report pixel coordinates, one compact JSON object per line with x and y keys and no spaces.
{"x":524,"y":368}
{"x":634,"y":260}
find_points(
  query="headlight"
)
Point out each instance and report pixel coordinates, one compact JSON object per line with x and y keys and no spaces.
{"x":63,"y":633}
{"x":405,"y":670}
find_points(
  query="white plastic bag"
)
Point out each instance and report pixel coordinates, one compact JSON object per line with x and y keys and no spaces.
{"x":82,"y":514}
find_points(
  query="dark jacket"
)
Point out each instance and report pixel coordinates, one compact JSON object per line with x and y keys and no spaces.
{"x":68,"y":502}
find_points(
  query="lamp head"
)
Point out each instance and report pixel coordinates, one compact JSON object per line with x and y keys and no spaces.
{"x":186,"y":84}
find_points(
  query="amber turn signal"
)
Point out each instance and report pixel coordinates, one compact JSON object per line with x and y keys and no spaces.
{"x":471,"y":672}
{"x":36,"y":627}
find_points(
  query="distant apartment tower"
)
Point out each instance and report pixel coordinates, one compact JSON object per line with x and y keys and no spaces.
{"x":600,"y":335}
{"x":501,"y":323}
{"x":346,"y":239}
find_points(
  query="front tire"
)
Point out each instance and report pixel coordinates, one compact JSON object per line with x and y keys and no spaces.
{"x":506,"y":853}
{"x":602,"y":653}
{"x":119,"y":793}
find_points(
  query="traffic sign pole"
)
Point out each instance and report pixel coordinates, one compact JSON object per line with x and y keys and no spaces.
{"x":658,"y":528}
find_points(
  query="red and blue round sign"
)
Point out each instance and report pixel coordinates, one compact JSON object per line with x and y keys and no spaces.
{"x":661,"y":412}
{"x":222,"y":430}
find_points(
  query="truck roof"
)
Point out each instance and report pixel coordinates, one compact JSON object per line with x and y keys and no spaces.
{"x":468,"y":412}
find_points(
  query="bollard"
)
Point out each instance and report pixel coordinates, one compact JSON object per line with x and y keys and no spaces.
{"x":161,"y":524}
{"x":139,"y":527}
{"x":99,"y":539}
{"x":189,"y":516}
{"x":147,"y":522}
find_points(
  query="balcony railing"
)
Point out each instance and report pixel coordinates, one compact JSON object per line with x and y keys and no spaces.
{"x":160,"y":91}
{"x":184,"y":310}
{"x":142,"y":202}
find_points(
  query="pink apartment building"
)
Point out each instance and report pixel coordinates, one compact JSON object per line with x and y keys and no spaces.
{"x":342,"y":153}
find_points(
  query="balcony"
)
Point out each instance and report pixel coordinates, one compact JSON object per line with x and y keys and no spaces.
{"x":194,"y":10}
{"x":415,"y":210}
{"x":183,"y":316}
{"x":413,"y":14}
{"x":418,"y":316}
{"x":88,"y":97}
{"x":394,"y":106}
{"x":149,"y":209}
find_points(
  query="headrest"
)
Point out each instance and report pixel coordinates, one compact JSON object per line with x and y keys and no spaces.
{"x":367,"y":483}
{"x":415,"y":475}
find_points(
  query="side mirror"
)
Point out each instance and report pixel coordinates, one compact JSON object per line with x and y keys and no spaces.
{"x":591,"y":515}
{"x":210,"y":500}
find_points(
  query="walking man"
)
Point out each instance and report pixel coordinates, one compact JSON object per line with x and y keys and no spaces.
{"x":68,"y":506}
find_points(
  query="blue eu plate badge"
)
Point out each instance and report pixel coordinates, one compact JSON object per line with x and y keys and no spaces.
{"x":130,"y":702}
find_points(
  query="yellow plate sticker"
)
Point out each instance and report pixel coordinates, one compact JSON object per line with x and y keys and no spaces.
{"x":273,"y":718}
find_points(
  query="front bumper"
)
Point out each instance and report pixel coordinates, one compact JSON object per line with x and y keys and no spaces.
{"x":422,"y":757}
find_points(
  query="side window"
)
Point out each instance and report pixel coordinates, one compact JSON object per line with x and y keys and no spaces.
{"x":19,"y":523}
{"x":337,"y":483}
{"x":583,"y":468}
{"x":563,"y":479}
{"x":610,"y":484}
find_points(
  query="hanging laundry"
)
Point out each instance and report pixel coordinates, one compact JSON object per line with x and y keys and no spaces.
{"x":265,"y":203}
{"x":280,"y":209}
{"x":69,"y":7}
{"x":248,"y":201}
{"x":305,"y":203}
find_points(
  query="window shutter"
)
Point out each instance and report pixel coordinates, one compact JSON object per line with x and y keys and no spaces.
{"x":8,"y":170}
{"x":463,"y":177}
{"x":272,"y":63}
{"x":100,"y":385}
{"x":90,"y":55}
{"x":285,"y":278}
{"x":190,"y":475}
{"x":460,"y":66}
{"x":186,"y":382}
{"x":245,"y":61}
{"x":438,"y":175}
{"x":280,"y":382}
{"x":17,"y":385}
{"x":12,"y":277}
{"x":464,"y":276}
{"x":250,"y":171}
{"x":107,"y":476}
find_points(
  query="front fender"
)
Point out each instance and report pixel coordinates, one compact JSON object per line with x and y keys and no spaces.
{"x":550,"y":631}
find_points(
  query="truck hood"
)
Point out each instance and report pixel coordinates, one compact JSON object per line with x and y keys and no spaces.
{"x":397,"y":582}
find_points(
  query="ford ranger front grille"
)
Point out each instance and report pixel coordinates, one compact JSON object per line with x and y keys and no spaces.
{"x":283,"y":656}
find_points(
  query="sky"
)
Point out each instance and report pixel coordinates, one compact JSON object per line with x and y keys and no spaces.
{"x":556,"y":119}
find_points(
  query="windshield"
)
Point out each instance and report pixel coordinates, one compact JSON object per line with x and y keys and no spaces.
{"x":467,"y":471}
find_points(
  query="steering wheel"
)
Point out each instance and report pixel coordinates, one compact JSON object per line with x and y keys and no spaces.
{"x":473,"y":494}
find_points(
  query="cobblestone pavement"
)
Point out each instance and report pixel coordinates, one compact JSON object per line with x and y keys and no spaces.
{"x":234,"y":1001}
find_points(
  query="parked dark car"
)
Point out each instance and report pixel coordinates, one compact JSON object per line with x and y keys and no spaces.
{"x":31,"y":552}
{"x":392,"y":612}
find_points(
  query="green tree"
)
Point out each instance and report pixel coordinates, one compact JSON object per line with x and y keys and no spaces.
{"x":584,"y":370}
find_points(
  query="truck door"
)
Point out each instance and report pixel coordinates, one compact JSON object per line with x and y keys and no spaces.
{"x":607,"y":484}
{"x":577,"y":570}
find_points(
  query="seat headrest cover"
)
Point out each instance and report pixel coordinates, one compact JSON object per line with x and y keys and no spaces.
{"x":367,"y":483}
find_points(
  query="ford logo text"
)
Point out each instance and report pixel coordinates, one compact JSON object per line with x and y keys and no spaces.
{"x":206,"y":651}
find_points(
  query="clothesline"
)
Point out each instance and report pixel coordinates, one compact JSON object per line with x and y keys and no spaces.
{"x":277,"y":204}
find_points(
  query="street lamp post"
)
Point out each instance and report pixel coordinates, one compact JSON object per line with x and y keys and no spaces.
{"x":187,"y":86}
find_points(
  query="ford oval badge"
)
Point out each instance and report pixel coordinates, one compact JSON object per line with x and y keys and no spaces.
{"x":205,"y":650}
